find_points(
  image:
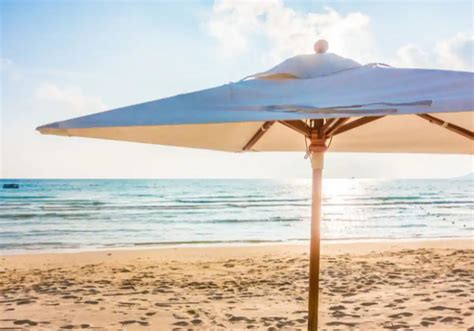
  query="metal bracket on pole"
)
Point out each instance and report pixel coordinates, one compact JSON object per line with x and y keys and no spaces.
{"x":318,"y":144}
{"x":317,"y":149}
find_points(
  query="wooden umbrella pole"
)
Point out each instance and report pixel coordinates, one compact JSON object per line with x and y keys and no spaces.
{"x":317,"y":149}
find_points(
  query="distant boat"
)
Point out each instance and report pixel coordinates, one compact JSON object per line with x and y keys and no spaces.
{"x":11,"y":186}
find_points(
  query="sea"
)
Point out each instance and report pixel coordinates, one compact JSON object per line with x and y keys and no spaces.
{"x":70,"y":215}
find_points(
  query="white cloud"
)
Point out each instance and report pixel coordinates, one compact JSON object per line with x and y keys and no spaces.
{"x":5,"y":63}
{"x":272,"y":31}
{"x":455,"y":53}
{"x":412,"y":56}
{"x":242,"y":27}
{"x":71,"y":98}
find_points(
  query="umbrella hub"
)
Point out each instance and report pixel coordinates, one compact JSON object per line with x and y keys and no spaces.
{"x":318,"y":145}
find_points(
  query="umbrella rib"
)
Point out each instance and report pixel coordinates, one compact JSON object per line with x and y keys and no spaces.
{"x":256,"y":137}
{"x":355,"y":124}
{"x":452,"y":127}
{"x":298,"y":126}
{"x":337,"y":124}
{"x":326,"y":125}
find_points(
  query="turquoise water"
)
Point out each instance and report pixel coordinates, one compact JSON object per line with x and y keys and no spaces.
{"x":88,"y":214}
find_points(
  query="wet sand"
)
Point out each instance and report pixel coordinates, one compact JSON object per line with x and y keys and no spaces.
{"x":390,"y":285}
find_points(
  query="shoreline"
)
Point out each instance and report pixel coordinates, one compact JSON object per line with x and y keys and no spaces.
{"x":192,"y":252}
{"x":191,"y":245}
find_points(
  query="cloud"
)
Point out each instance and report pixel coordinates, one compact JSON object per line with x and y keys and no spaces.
{"x":71,"y":98}
{"x":455,"y":53}
{"x":271,"y":31}
{"x":412,"y":56}
{"x":5,"y":63}
{"x":242,"y":27}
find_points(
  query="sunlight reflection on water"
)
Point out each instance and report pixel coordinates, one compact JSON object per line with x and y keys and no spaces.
{"x":51,"y":214}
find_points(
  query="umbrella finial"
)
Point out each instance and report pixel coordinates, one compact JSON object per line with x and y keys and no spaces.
{"x":321,"y":46}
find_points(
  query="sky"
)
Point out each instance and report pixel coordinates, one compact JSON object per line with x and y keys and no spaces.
{"x":63,"y":59}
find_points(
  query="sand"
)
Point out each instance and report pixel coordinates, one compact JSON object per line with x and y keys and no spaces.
{"x":390,"y":285}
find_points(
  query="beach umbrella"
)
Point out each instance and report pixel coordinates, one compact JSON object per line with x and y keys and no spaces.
{"x":310,"y":103}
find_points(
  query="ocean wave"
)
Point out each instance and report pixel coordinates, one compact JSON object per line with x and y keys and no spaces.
{"x":235,"y":200}
{"x":26,"y":197}
{"x":22,"y":216}
{"x":37,"y":245}
{"x":394,"y":226}
{"x":207,"y":242}
{"x":55,"y":213}
{"x":397,"y":203}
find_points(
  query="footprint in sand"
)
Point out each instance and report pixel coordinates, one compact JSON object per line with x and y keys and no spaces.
{"x":70,"y":326}
{"x":395,"y":326}
{"x":368,"y":304}
{"x":128,"y":322}
{"x":240,"y":319}
{"x":440,"y":308}
{"x":426,"y":323}
{"x":91,"y":302}
{"x":340,"y":314}
{"x":180,"y":317}
{"x":25,"y":322}
{"x":339,"y":307}
{"x":338,"y":323}
{"x":432,"y":319}
{"x":450,"y":319}
{"x":400,"y":315}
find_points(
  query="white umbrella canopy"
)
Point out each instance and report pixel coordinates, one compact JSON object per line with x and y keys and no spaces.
{"x":304,"y":87}
{"x":314,"y":103}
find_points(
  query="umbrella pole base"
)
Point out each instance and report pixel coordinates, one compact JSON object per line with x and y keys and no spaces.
{"x":317,"y":149}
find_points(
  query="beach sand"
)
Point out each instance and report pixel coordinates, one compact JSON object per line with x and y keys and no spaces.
{"x":385,"y":285}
